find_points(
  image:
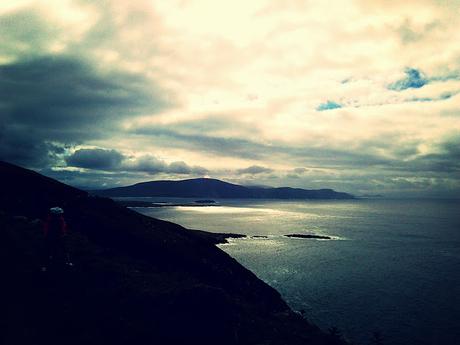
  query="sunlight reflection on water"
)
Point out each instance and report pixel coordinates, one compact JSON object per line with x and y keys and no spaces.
{"x":235,"y":210}
{"x":257,"y":213}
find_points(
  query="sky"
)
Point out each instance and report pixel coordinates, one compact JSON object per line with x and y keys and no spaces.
{"x":361,"y":96}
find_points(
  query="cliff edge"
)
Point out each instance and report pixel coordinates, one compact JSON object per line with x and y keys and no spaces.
{"x":136,"y":280}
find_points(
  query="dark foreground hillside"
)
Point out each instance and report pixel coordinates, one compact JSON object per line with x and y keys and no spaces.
{"x":136,"y":280}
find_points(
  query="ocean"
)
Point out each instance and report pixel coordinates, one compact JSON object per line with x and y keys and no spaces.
{"x":392,"y":266}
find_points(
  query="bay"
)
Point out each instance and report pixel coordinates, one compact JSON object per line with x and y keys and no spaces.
{"x":392,"y":266}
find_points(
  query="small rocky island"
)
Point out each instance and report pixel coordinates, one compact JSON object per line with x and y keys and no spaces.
{"x":205,"y":201}
{"x":319,"y":237}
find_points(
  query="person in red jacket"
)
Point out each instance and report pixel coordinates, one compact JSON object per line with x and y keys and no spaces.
{"x":55,"y":230}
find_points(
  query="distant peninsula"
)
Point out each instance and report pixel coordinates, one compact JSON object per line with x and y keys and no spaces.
{"x":213,"y":188}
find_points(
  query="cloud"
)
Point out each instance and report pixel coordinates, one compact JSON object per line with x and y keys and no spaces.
{"x":183,"y":168}
{"x":152,"y":165}
{"x":114,"y":161}
{"x":450,"y":75}
{"x":300,"y":170}
{"x":238,"y":147}
{"x":99,"y":159}
{"x":414,"y":79}
{"x":93,"y":179}
{"x":145,"y":163}
{"x":442,"y":97}
{"x":410,"y":34}
{"x":311,"y":152}
{"x":254,"y":170}
{"x":444,"y":161}
{"x":328,"y":106}
{"x":61,"y":91}
{"x":27,"y":28}
{"x":65,"y":100}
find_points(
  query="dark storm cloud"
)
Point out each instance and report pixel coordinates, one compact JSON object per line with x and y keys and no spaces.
{"x":114,"y":161}
{"x":62,"y":91}
{"x":446,"y":160}
{"x":254,"y":170}
{"x":65,"y":100}
{"x":95,"y":159}
{"x":17,"y":146}
{"x":152,"y":165}
{"x":48,"y":101}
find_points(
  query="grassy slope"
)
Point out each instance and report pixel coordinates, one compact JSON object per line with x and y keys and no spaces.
{"x":137,"y":280}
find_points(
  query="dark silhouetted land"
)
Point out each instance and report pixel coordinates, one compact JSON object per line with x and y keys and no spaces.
{"x":212,"y":188}
{"x":136,"y":280}
{"x":320,"y":237}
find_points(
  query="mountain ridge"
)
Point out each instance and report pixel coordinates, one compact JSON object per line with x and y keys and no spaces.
{"x":214,"y":188}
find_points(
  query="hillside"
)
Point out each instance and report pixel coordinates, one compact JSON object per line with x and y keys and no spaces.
{"x":136,"y":280}
{"x":212,"y":188}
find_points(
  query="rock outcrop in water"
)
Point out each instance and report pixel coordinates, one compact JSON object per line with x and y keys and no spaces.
{"x":136,"y":280}
{"x":212,"y":188}
{"x":319,"y":237}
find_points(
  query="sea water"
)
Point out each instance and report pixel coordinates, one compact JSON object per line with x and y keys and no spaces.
{"x":392,"y":266}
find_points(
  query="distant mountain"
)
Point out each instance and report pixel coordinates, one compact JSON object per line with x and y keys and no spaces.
{"x":212,"y":188}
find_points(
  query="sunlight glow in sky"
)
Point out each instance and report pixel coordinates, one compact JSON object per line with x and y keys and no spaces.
{"x":359,"y":96}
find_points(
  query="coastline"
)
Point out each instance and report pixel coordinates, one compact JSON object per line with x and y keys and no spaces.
{"x":136,"y":279}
